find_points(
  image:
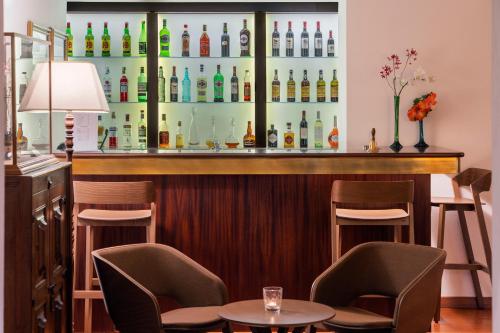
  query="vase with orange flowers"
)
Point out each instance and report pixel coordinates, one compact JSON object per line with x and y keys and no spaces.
{"x":393,"y":73}
{"x":420,"y":109}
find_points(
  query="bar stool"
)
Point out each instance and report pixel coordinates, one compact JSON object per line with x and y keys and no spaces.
{"x":478,"y":180}
{"x":387,"y":193}
{"x":108,"y":193}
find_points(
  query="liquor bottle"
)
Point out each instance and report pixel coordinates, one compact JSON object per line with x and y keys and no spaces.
{"x":247,"y":90}
{"x":249,"y":138}
{"x":89,"y":41}
{"x":224,"y":42}
{"x":330,"y":45}
{"x":100,"y":131}
{"x":334,"y":87}
{"x":333,"y":137}
{"x":142,"y":131}
{"x":212,"y":141}
{"x":201,"y":86}
{"x":126,"y":45}
{"x":289,"y":40}
{"x":272,"y":137}
{"x":143,"y":40}
{"x":161,"y":86}
{"x":127,"y":133}
{"x":113,"y":139}
{"x":218,"y":86}
{"x":174,"y":86}
{"x":304,"y":88}
{"x":290,"y":88}
{"x":142,"y":87}
{"x":318,"y":42}
{"x":245,"y":40}
{"x":164,"y":136}
{"x":204,"y":43}
{"x":186,"y":87}
{"x":318,"y":132}
{"x":106,"y":42}
{"x":179,"y":136}
{"x":320,"y":88}
{"x":23,"y":85}
{"x":69,"y":40}
{"x":193,"y":130}
{"x":123,"y":86}
{"x":275,"y":41}
{"x":164,"y":40}
{"x":303,"y":131}
{"x":21,"y":140}
{"x":304,"y":42}
{"x":106,"y":85}
{"x":289,"y":137}
{"x":185,"y":42}
{"x":275,"y":87}
{"x":235,"y":90}
{"x":231,"y":141}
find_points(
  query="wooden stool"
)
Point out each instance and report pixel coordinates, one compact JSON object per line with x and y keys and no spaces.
{"x":479,"y":180}
{"x":108,"y":193}
{"x":371,"y":192}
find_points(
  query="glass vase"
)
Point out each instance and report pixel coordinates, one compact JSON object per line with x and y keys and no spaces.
{"x":396,"y":146}
{"x":421,"y":144}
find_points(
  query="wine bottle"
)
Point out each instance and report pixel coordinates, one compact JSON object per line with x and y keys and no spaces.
{"x":126,"y":46}
{"x":289,"y":40}
{"x":318,"y":132}
{"x":290,"y":88}
{"x":142,"y":87}
{"x":161,"y":85}
{"x":174,"y":86}
{"x":204,"y":43}
{"x":305,"y":89}
{"x":218,"y":86}
{"x":186,"y":87}
{"x":320,"y":88}
{"x":164,"y":40}
{"x":235,"y":95}
{"x":275,"y":41}
{"x":224,"y":42}
{"x":89,"y":41}
{"x":245,"y":40}
{"x":334,"y":87}
{"x":69,"y":39}
{"x":318,"y":41}
{"x":105,"y":42}
{"x":201,"y":86}
{"x":143,"y":40}
{"x":304,"y":42}
{"x":164,"y":135}
{"x":303,"y":131}
{"x":123,"y":86}
{"x":185,"y":42}
{"x":330,"y":46}
{"x":275,"y":87}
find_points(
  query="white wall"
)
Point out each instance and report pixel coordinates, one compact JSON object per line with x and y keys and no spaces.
{"x":50,"y":13}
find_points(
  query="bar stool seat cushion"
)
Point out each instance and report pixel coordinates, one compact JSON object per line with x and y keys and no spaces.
{"x":451,"y":201}
{"x":101,"y":217}
{"x":355,"y":317}
{"x":371,"y":214}
{"x":192,"y":317}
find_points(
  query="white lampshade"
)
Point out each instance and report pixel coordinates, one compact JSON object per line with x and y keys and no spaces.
{"x":75,"y":88}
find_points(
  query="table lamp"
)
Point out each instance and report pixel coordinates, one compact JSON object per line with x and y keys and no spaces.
{"x":75,"y":87}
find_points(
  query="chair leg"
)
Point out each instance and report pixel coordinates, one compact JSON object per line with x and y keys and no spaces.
{"x":411,"y":224}
{"x":484,"y":231}
{"x":333,"y":231}
{"x":470,"y":258}
{"x":89,"y":246}
{"x":150,"y":233}
{"x":440,"y":245}
{"x":227,"y":328}
{"x":338,"y":242}
{"x":398,"y":234}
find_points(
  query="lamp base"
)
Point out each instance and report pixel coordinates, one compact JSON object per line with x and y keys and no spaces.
{"x":69,"y":123}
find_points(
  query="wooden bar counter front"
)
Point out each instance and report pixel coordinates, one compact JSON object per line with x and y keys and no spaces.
{"x":256,"y":218}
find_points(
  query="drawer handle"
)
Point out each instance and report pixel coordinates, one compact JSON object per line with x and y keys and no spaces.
{"x":50,"y":182}
{"x":58,"y":303}
{"x":42,"y":320}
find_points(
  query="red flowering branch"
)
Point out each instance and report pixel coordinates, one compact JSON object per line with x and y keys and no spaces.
{"x":394,"y":66}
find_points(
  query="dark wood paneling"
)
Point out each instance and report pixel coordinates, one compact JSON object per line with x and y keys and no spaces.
{"x":260,"y":76}
{"x":252,"y":231}
{"x":152,"y":75}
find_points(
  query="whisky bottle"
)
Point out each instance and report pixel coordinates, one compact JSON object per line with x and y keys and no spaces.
{"x":161,"y":86}
{"x":69,"y":40}
{"x":89,"y":41}
{"x":142,"y":132}
{"x":193,"y":130}
{"x":126,"y":46}
{"x":334,"y":87}
{"x":218,"y":86}
{"x":304,"y":42}
{"x":164,"y":135}
{"x":174,"y":86}
{"x":289,"y":137}
{"x":303,"y":131}
{"x":201,"y":86}
{"x":231,"y":141}
{"x":318,"y":132}
{"x":235,"y":90}
{"x":320,"y":88}
{"x":330,"y":45}
{"x":318,"y":41}
{"x":245,"y":40}
{"x":100,"y":131}
{"x":224,"y":42}
{"x":113,"y":139}
{"x":204,"y":43}
{"x":305,"y":89}
{"x":289,"y":40}
{"x":164,"y":40}
{"x":123,"y":86}
{"x":143,"y":40}
{"x":290,"y":88}
{"x":275,"y":41}
{"x":21,"y":140}
{"x":212,"y":140}
{"x":106,"y":85}
{"x":106,"y":42}
{"x":127,"y":133}
{"x":249,"y":138}
{"x":247,"y":90}
{"x":142,"y":87}
{"x":333,"y":137}
{"x":185,"y":42}
{"x":186,"y":87}
{"x":179,"y":136}
{"x":272,"y":137}
{"x":275,"y":87}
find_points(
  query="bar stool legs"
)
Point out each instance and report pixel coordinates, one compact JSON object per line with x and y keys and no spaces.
{"x":89,"y":272}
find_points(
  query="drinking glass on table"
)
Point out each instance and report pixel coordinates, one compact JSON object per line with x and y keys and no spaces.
{"x":272,"y":298}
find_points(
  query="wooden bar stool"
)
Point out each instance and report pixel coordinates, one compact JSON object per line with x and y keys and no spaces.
{"x":108,"y":193}
{"x":357,"y":193}
{"x":478,"y":180}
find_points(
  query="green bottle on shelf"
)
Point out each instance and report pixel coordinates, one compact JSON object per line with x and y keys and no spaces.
{"x":164,"y":40}
{"x":106,"y":42}
{"x":142,"y":87}
{"x":126,"y":42}
{"x":89,"y":41}
{"x":143,"y":40}
{"x":218,"y":86}
{"x":69,"y":39}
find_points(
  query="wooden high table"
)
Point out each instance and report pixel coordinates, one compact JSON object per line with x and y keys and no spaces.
{"x":260,"y":217}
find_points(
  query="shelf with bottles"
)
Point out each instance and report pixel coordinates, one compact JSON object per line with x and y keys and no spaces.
{"x":125,"y":130}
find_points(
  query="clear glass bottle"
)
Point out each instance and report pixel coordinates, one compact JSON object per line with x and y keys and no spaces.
{"x":333,"y":137}
{"x":107,"y":85}
{"x":161,"y":86}
{"x":193,"y":130}
{"x":100,"y":132}
{"x":186,"y":87}
{"x":164,"y":135}
{"x":113,"y":132}
{"x":23,"y":85}
{"x":231,"y":140}
{"x":127,"y":133}
{"x":142,"y":132}
{"x":212,"y":141}
{"x":201,"y":86}
{"x":318,"y":132}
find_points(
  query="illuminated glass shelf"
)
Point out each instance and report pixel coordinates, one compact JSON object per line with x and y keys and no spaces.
{"x":211,"y":57}
{"x":127,"y":103}
{"x":296,"y":103}
{"x":201,"y":103}
{"x":111,"y":57}
{"x":298,"y":57}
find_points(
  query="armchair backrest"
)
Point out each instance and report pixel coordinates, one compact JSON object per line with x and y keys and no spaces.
{"x":478,"y":179}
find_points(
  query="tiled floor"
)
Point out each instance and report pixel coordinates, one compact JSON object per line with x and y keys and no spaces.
{"x":463,"y":321}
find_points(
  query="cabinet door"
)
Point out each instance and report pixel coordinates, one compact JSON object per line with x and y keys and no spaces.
{"x":39,"y":320}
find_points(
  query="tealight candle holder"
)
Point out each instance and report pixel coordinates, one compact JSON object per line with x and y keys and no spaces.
{"x":272,"y":298}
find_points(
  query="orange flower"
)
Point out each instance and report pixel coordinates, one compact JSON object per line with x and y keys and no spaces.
{"x":422,"y":106}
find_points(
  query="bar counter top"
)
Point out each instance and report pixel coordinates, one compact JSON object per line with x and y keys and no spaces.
{"x":266,"y":161}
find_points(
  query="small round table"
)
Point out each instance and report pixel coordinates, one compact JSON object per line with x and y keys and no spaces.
{"x":293,"y":314}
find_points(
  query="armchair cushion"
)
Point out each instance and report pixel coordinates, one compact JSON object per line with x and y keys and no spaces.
{"x":350,"y":316}
{"x":191,"y":317}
